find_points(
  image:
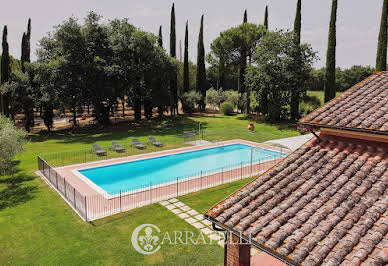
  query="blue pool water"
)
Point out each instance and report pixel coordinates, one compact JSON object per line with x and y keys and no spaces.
{"x":138,"y":174}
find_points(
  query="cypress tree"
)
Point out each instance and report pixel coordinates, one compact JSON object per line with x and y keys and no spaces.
{"x":298,"y":22}
{"x":5,"y":71}
{"x":23,"y":58}
{"x":186,"y":61}
{"x":243,"y":64}
{"x":330,"y":57}
{"x":160,"y":95}
{"x":172,"y":33}
{"x":173,"y":82}
{"x":28,"y":42}
{"x":296,"y":90}
{"x":160,"y":38}
{"x":381,"y":59}
{"x":264,"y":92}
{"x":201,"y":70}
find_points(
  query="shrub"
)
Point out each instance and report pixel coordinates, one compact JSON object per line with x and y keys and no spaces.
{"x":189,"y":100}
{"x":227,"y":108}
{"x":216,"y":97}
{"x":308,"y":104}
{"x":11,"y":143}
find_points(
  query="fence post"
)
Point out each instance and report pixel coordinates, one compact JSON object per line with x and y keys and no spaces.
{"x":64,"y":185}
{"x":56,"y":179}
{"x":85,"y":157}
{"x":75,"y":203}
{"x":241,"y":172}
{"x":201,"y":179}
{"x":222,"y":174}
{"x":177,"y":192}
{"x":86,"y":211}
{"x":150,"y":192}
{"x":120,"y":201}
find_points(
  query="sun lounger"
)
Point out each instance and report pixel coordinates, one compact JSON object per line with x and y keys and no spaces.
{"x":136,"y":143}
{"x":117,"y":147}
{"x":97,"y":150}
{"x":154,"y":142}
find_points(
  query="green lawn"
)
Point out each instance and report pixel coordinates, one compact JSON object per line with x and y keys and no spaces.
{"x":205,"y":199}
{"x":38,"y":227}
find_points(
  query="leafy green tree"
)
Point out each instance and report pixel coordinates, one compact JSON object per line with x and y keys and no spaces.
{"x":186,"y":84}
{"x":144,"y":69}
{"x":317,"y":80}
{"x":65,"y":48}
{"x":212,"y":97}
{"x":12,"y":141}
{"x":173,"y":79}
{"x":201,"y":69}
{"x":100,"y":73}
{"x":381,"y":59}
{"x":330,"y":58}
{"x":46,"y":93}
{"x":236,"y":45}
{"x":273,"y":69}
{"x":190,"y":100}
{"x":215,"y":97}
{"x":266,"y":18}
{"x":232,"y":97}
{"x":221,"y":75}
{"x":21,"y":93}
{"x":353,"y":75}
{"x":5,"y":72}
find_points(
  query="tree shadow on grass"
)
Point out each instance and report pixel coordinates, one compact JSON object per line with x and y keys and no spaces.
{"x":120,"y":131}
{"x":281,"y":125}
{"x":16,"y":189}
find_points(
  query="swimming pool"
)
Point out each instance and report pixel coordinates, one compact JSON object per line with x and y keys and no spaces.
{"x":159,"y":170}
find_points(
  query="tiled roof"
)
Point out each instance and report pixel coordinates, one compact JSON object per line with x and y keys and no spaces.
{"x":327,"y":203}
{"x":362,"y":107}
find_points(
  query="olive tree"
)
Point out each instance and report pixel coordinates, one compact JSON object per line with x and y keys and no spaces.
{"x":11,"y":143}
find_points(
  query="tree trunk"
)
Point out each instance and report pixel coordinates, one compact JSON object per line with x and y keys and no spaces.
{"x":294,"y":105}
{"x":27,"y":120}
{"x":248,"y":101}
{"x":74,"y":116}
{"x":137,"y":102}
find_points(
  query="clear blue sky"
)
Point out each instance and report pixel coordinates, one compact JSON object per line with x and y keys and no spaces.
{"x":357,"y":27}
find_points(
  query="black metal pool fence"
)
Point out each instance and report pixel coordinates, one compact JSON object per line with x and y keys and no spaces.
{"x":99,"y":205}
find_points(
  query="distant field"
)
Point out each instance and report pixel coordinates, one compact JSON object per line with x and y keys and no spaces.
{"x":320,"y":95}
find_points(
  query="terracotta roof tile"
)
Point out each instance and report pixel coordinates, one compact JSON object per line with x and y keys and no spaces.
{"x":327,"y":203}
{"x":363,"y":107}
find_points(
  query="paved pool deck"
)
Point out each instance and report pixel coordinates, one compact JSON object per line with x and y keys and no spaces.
{"x":293,"y":143}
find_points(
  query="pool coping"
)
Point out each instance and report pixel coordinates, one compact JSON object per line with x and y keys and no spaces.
{"x":88,"y":187}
